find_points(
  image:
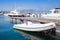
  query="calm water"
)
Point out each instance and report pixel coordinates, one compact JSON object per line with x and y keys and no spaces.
{"x":8,"y":33}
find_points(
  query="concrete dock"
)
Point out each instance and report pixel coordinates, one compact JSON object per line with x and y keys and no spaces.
{"x":44,"y":20}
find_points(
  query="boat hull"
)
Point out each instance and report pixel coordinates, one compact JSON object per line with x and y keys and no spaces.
{"x":43,"y":32}
{"x":34,"y":29}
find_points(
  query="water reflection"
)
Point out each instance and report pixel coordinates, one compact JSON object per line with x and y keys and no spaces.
{"x":34,"y":35}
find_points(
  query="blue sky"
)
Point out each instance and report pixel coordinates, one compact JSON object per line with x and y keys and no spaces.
{"x":29,"y":4}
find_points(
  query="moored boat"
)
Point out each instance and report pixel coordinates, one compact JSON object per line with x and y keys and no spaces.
{"x":30,"y":26}
{"x":12,"y":13}
{"x":55,"y":14}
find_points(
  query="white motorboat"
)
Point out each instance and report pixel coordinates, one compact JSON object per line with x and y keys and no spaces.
{"x":30,"y":26}
{"x":55,"y":14}
{"x":12,"y":13}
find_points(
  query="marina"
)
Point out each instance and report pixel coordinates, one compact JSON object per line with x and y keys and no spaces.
{"x":4,"y":18}
{"x":29,"y":20}
{"x":54,"y":16}
{"x":42,"y":25}
{"x":33,"y":25}
{"x":7,"y":30}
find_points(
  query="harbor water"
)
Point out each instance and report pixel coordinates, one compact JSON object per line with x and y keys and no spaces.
{"x":8,"y":33}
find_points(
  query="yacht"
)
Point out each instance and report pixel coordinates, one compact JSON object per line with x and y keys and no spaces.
{"x":34,"y":26}
{"x":55,"y":14}
{"x":12,"y":13}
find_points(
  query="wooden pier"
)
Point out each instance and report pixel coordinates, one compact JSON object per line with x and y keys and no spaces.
{"x":43,"y":20}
